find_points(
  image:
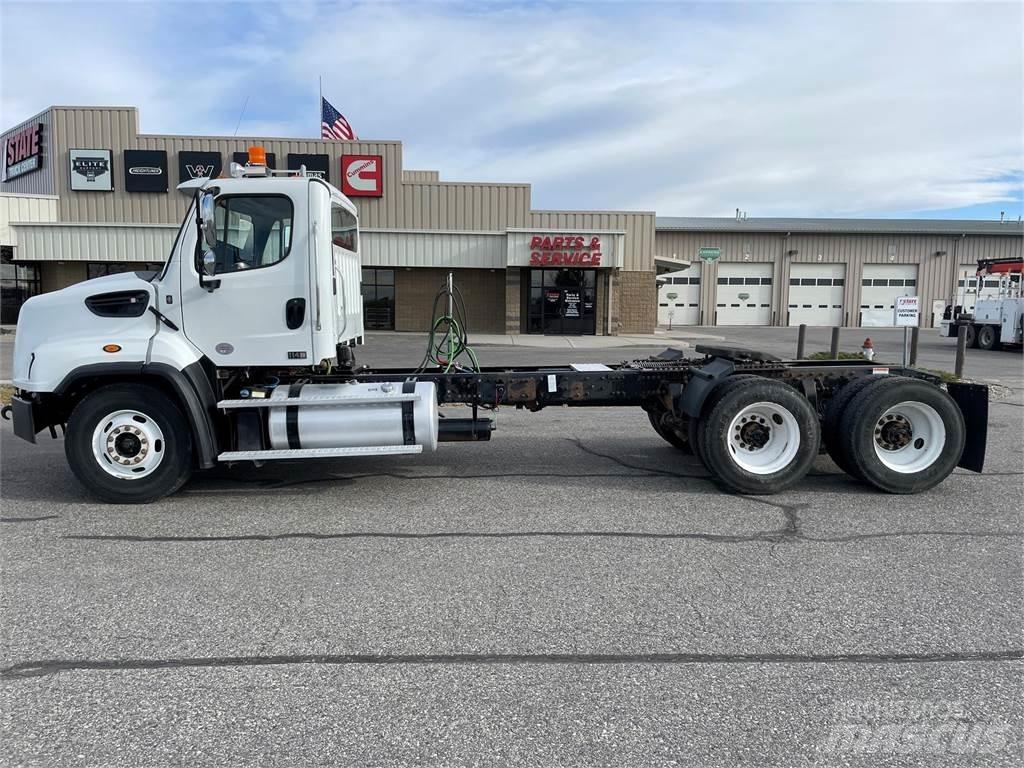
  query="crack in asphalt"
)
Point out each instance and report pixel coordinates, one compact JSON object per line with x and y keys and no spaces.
{"x":27,"y":669}
{"x":787,"y":533}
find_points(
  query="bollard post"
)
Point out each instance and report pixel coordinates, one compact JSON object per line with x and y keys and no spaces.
{"x":915,"y":332}
{"x":961,"y":350}
{"x":834,"y":351}
{"x":801,"y":339}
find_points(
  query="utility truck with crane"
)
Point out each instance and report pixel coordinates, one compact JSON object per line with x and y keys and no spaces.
{"x":994,"y":320}
{"x":241,"y":349}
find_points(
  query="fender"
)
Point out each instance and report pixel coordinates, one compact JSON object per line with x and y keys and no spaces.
{"x":702,"y":381}
{"x":190,"y":384}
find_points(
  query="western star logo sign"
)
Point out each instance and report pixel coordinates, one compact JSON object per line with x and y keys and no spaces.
{"x":565,"y":250}
{"x":195,"y":164}
{"x":23,"y":151}
{"x":362,"y":175}
{"x":90,"y":167}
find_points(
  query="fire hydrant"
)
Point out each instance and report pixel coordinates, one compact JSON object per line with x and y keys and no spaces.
{"x":868,"y":349}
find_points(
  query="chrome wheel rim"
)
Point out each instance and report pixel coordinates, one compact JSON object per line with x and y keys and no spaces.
{"x":128,"y":444}
{"x":764,"y":438}
{"x":909,"y":437}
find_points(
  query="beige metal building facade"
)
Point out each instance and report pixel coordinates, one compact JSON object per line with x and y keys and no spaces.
{"x":519,"y":269}
{"x":84,"y":194}
{"x":829,"y":272}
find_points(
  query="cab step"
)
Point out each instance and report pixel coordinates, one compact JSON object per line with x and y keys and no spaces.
{"x":319,"y":453}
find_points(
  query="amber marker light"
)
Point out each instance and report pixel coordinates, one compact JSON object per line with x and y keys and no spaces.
{"x":111,"y":347}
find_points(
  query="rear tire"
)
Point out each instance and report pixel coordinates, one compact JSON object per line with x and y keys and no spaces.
{"x":760,"y":437}
{"x":834,"y":410}
{"x":666,"y":432}
{"x":972,"y":336}
{"x":903,"y":435}
{"x":129,"y":444}
{"x":988,"y":337}
{"x":693,"y":426}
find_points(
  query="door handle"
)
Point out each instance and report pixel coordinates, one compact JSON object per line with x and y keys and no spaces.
{"x":294,"y":313}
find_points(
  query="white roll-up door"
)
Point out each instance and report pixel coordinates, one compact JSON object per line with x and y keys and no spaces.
{"x":879,"y":287}
{"x":743,"y":295}
{"x":816,"y":294}
{"x":679,"y":297}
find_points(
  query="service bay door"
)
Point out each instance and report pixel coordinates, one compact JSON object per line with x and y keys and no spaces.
{"x":880,"y":286}
{"x":816,"y":294}
{"x":679,"y":297}
{"x":743,"y":295}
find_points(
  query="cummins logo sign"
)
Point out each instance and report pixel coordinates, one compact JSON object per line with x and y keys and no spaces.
{"x":145,"y":170}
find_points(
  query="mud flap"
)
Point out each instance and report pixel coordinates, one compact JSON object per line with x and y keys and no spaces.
{"x":972,"y":400}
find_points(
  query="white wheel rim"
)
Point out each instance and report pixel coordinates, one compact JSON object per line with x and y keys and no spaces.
{"x":764,"y":438}
{"x":128,"y":445}
{"x":909,"y":437}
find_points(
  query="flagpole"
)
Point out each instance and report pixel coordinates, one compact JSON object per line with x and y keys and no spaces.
{"x":320,"y":103}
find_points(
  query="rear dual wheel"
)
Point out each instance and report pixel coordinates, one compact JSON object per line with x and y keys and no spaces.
{"x":988,"y":337}
{"x":900,"y":435}
{"x":757,"y":435}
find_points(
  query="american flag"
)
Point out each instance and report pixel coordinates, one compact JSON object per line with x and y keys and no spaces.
{"x":333,"y":125}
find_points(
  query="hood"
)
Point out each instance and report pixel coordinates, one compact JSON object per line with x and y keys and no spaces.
{"x":58,"y":331}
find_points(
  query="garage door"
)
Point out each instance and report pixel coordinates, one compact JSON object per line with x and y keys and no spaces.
{"x":816,"y":294}
{"x":679,"y":297}
{"x":743,"y":295}
{"x":880,"y":286}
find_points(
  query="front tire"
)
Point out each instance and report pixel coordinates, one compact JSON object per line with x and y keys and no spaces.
{"x":760,"y":437}
{"x":903,"y":435}
{"x":129,"y":444}
{"x":988,"y":337}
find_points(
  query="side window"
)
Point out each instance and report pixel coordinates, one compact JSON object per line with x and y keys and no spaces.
{"x":344,"y":229}
{"x":252,"y":232}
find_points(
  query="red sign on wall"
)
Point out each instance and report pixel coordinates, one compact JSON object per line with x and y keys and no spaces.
{"x":565,"y":250}
{"x":23,"y":151}
{"x":362,"y":175}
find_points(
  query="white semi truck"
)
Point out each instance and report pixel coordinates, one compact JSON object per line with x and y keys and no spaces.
{"x":241,"y":350}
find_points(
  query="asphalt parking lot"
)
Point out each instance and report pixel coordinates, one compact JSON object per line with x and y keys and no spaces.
{"x":574,"y":593}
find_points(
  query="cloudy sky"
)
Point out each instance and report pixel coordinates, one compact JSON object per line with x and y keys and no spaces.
{"x":795,"y":108}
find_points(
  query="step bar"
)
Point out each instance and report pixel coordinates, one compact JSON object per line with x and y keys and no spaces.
{"x":319,"y":453}
{"x":300,"y":402}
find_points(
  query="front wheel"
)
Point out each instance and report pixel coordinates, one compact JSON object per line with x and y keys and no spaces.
{"x":760,"y":437}
{"x":903,"y":435}
{"x":129,"y":444}
{"x":971,"y":336}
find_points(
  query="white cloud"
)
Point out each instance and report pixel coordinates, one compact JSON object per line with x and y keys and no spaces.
{"x":801,"y":109}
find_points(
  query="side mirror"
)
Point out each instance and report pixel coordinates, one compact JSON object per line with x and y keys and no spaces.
{"x":209,"y":263}
{"x":208,"y":219}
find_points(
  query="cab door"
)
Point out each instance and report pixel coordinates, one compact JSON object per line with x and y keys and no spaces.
{"x":258,"y":313}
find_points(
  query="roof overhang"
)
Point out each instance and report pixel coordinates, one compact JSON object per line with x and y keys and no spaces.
{"x":664,"y":261}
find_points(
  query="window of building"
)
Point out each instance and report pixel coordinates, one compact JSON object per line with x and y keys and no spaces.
{"x":378,"y":287}
{"x":18,"y":283}
{"x":252,"y":231}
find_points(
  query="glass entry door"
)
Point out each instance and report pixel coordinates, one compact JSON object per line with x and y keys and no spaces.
{"x":563,"y":302}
